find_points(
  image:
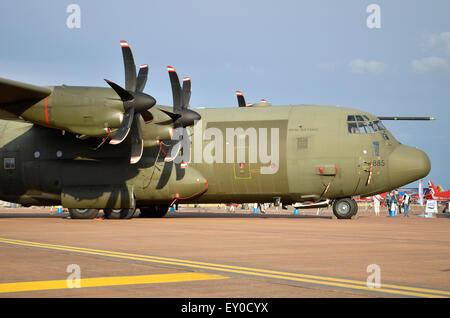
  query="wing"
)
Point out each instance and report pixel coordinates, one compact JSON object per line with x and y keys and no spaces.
{"x":12,"y":91}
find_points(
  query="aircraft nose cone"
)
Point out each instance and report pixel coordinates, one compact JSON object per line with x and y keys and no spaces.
{"x":407,"y":164}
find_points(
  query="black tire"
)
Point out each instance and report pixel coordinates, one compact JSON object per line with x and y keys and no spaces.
{"x":344,"y":208}
{"x":116,"y":214}
{"x":78,"y":213}
{"x":156,"y":211}
{"x":355,"y":207}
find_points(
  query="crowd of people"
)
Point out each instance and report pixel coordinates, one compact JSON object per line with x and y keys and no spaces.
{"x":394,"y":202}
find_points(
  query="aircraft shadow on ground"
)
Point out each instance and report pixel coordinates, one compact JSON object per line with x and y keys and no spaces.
{"x":242,"y":215}
{"x":170,"y":215}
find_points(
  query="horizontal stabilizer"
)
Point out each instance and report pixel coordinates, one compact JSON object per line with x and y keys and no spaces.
{"x":12,"y":91}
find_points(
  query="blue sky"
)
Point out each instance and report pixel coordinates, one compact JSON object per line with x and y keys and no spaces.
{"x":288,"y":52}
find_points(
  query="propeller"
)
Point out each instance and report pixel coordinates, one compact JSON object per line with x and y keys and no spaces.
{"x":135,"y":102}
{"x":181,"y":115}
{"x":241,"y":100}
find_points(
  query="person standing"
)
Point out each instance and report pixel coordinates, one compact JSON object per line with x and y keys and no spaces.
{"x":399,"y":201}
{"x":376,"y":204}
{"x":393,"y":203}
{"x":388,"y":202}
{"x":406,"y":201}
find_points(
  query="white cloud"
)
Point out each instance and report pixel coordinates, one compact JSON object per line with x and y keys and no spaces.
{"x":360,"y":66}
{"x":441,"y":40}
{"x":430,"y":65}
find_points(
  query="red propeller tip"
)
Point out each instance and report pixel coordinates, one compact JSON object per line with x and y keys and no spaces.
{"x":238,"y":93}
{"x":124,"y":44}
{"x":143,"y":66}
{"x":134,"y":159}
{"x":186,"y":79}
{"x":170,"y":69}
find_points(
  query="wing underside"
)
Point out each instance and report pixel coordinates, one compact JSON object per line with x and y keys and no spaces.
{"x":12,"y":91}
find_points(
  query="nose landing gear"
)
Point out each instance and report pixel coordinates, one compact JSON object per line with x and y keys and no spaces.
{"x":345,"y":208}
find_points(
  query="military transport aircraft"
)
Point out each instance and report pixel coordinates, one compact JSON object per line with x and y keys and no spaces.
{"x":114,"y":148}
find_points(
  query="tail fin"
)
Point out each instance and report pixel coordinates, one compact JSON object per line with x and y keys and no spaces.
{"x":432,"y":188}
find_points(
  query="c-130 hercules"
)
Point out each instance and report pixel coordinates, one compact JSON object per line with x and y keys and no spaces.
{"x":55,"y":150}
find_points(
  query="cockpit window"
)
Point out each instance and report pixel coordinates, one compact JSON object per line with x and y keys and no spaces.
{"x":380,"y":125}
{"x":362,"y":128}
{"x":361,"y":124}
{"x":353,"y":128}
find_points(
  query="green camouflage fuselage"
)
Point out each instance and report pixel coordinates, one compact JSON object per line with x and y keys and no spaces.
{"x":318,"y":158}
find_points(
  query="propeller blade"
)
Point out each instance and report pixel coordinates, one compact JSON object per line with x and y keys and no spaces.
{"x":123,"y":94}
{"x":186,"y":91}
{"x":137,"y":143}
{"x":142,"y":78}
{"x":241,"y":99}
{"x":130,"y":67}
{"x":174,"y":151}
{"x":147,"y":116}
{"x":176,"y":90}
{"x":124,"y":128}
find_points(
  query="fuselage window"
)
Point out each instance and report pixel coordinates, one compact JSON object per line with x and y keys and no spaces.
{"x":376,"y":148}
{"x":359,"y":118}
{"x":351,"y":118}
{"x":9,"y":163}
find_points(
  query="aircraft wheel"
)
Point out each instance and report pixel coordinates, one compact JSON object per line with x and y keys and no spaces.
{"x":83,"y":213}
{"x":119,"y":213}
{"x":355,"y":207}
{"x":156,"y":211}
{"x":344,"y":208}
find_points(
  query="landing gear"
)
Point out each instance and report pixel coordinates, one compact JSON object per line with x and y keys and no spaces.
{"x":83,"y":213}
{"x":124,"y":213}
{"x":155,"y":211}
{"x":345,"y":208}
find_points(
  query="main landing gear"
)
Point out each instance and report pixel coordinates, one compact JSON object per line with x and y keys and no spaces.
{"x":345,"y":208}
{"x":109,"y":213}
{"x":155,"y":211}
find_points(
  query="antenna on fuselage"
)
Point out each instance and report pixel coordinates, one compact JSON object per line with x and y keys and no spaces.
{"x":405,"y":118}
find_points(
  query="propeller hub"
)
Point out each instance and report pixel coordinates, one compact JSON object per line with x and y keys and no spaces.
{"x":142,"y":102}
{"x":188,"y":118}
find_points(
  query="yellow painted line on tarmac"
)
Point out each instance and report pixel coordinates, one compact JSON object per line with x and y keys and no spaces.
{"x":107,"y":281}
{"x":314,"y":279}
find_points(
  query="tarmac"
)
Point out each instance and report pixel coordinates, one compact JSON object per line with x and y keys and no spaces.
{"x":208,"y":252}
